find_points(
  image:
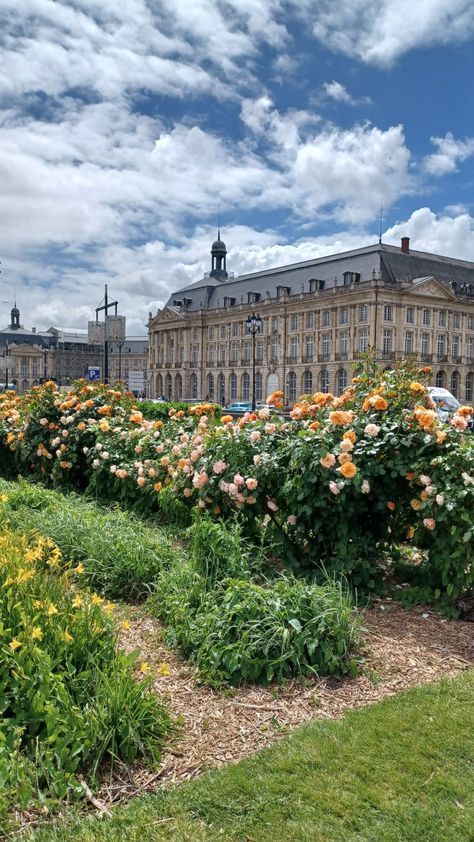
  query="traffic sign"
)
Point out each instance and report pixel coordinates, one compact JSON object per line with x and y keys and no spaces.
{"x":93,"y":373}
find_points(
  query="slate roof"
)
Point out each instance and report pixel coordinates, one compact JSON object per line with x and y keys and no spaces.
{"x":388,"y":262}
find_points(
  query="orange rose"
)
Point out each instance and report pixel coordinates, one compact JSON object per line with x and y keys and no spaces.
{"x":348,"y":470}
{"x":226,"y":418}
{"x":415,"y":504}
{"x":392,"y":506}
{"x":410,"y":476}
{"x":351,"y":435}
{"x":340,"y":417}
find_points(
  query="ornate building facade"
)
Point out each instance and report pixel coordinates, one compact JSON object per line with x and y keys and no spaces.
{"x":318,"y":316}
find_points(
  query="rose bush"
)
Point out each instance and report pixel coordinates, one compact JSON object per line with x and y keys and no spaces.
{"x":337,"y":486}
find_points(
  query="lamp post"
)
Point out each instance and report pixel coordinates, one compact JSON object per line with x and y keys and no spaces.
{"x":45,"y":366}
{"x":254,"y":325}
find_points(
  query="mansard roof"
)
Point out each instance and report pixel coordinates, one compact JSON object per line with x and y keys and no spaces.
{"x":387,"y":262}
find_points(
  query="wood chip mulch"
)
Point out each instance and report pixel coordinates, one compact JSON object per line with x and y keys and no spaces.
{"x":402,"y":648}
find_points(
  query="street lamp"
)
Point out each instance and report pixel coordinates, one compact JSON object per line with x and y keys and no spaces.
{"x":254,"y":325}
{"x":45,"y":367}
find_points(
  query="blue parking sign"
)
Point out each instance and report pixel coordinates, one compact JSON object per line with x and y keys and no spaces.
{"x":93,"y":373}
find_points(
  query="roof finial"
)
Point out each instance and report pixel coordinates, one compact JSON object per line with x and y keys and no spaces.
{"x":218,"y":222}
{"x":380,"y":222}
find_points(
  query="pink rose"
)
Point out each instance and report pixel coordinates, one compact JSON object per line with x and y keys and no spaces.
{"x":255,"y":436}
{"x":219,"y":466}
{"x":257,"y":459}
{"x":328,"y":461}
{"x":429,"y":523}
{"x":291,"y":520}
{"x":187,"y":492}
{"x":425,"y":479}
{"x":238,"y":479}
{"x":272,"y":505}
{"x":141,"y":481}
{"x":333,"y":487}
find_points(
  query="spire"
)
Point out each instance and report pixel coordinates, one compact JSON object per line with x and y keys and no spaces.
{"x":15,"y":317}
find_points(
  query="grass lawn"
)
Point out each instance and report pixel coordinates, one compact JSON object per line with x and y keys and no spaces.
{"x":399,"y":771}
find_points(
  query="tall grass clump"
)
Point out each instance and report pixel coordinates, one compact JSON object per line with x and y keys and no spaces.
{"x":236,"y":629}
{"x":121,"y":555}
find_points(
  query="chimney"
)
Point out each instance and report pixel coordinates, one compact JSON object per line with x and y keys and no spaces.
{"x":33,"y":330}
{"x":405,"y":246}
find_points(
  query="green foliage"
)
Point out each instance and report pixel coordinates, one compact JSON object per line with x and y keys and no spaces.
{"x":160,"y":411}
{"x":121,"y":555}
{"x":68,"y":698}
{"x":236,"y":630}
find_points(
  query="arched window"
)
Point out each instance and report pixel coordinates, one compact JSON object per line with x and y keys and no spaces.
{"x":258,"y":386}
{"x":455,"y":383}
{"x":307,"y":383}
{"x":210,"y":386}
{"x":233,"y":387}
{"x":341,"y":380}
{"x":178,"y":387}
{"x":245,"y":386}
{"x":169,"y":387}
{"x":221,"y":388}
{"x":291,"y":386}
{"x":440,"y":379}
{"x":159,"y":386}
{"x":468,"y":390}
{"x":324,"y":380}
{"x":194,"y":387}
{"x":24,"y":386}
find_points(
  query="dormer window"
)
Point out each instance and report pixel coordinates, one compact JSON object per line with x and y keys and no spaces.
{"x":282,"y":291}
{"x":253,"y":297}
{"x":228,"y":302}
{"x":351,"y":278}
{"x":315,"y":284}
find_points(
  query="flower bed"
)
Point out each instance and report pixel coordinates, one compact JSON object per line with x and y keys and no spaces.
{"x":336,"y":487}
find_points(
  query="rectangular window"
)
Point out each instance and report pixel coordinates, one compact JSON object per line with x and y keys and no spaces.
{"x":326,"y":345}
{"x":410,"y":315}
{"x":387,"y":338}
{"x":234,"y":354}
{"x":363,"y":312}
{"x":212,"y":354}
{"x":343,"y":340}
{"x":274,"y":349}
{"x":294,"y":322}
{"x":235,"y":328}
{"x":456,"y":345}
{"x":222,"y":354}
{"x":247,"y":352}
{"x":442,"y":318}
{"x":309,"y":349}
{"x":425,"y":343}
{"x":441,"y":345}
{"x":210,"y":332}
{"x":293,"y":349}
{"x":456,"y":321}
{"x":259,"y":351}
{"x":274,"y":324}
{"x":222,"y":331}
{"x":343,"y":316}
{"x":388,"y":313}
{"x":408,"y":342}
{"x":470,"y":347}
{"x":325,"y":318}
{"x":195,"y":333}
{"x":426,"y":317}
{"x":363,"y":339}
{"x":470,"y":322}
{"x":309,"y":321}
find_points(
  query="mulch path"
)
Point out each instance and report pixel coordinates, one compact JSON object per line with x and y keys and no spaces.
{"x":403,"y":648}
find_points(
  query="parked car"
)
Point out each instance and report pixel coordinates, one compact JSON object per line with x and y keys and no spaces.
{"x":446,"y":404}
{"x":238,"y":406}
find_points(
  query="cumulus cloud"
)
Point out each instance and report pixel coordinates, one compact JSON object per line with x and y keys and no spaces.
{"x":380,"y":31}
{"x":445,"y":233}
{"x":449,"y":153}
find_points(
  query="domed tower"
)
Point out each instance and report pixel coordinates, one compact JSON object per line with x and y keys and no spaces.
{"x":218,"y":252}
{"x":15,"y":318}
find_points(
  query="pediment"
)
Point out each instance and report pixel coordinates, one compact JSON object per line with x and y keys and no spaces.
{"x":430,"y":287}
{"x":167,"y":314}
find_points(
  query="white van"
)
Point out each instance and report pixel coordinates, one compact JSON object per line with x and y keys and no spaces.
{"x":446,"y":404}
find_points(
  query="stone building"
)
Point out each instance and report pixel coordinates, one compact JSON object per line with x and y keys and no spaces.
{"x":25,"y":354}
{"x":318,"y":316}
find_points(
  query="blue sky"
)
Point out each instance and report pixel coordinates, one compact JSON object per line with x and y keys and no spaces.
{"x":124,"y":127}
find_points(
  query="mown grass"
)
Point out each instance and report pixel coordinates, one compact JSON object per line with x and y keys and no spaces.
{"x":400,"y":771}
{"x":122,"y":556}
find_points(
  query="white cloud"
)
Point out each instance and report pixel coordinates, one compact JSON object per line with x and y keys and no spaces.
{"x":337,"y":91}
{"x":449,"y":153}
{"x":380,"y":31}
{"x":436,"y":233}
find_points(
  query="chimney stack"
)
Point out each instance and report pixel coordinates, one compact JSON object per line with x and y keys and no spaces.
{"x":405,"y":245}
